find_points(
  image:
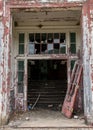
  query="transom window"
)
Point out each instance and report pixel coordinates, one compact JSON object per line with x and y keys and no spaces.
{"x":47,"y":43}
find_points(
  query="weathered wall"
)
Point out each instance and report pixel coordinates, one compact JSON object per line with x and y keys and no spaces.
{"x":87,"y":27}
{"x":4,"y":62}
{"x":45,"y":3}
{"x":50,"y":1}
{"x":5,"y":50}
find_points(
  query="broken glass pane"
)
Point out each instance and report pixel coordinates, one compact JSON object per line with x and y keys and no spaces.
{"x":44,"y":48}
{"x":31,"y":37}
{"x":56,"y":38}
{"x":50,"y":38}
{"x":37,"y":48}
{"x":62,"y":37}
{"x":56,"y":48}
{"x":37,"y":38}
{"x":43,"y":38}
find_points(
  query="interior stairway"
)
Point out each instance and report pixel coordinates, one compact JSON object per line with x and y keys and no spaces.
{"x":48,"y":93}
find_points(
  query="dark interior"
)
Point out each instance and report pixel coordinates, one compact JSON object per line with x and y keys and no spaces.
{"x":47,"y":83}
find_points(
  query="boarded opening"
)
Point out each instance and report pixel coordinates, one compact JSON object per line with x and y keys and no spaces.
{"x":47,"y":83}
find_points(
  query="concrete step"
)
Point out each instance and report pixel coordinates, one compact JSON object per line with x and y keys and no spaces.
{"x":46,"y":128}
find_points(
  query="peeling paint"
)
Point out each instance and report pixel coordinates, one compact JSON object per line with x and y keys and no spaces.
{"x":19,"y":101}
{"x":88,"y":59}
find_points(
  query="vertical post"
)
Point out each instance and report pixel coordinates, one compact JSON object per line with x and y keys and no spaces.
{"x":87,"y":29}
{"x":68,"y":59}
{"x":25,"y":72}
{"x":25,"y":85}
{"x":5,"y":63}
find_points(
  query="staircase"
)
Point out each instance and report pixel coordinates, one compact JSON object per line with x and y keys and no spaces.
{"x":50,"y":93}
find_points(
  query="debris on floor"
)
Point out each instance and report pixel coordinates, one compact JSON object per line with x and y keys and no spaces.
{"x":27,"y":118}
{"x":44,"y":118}
{"x":75,"y":117}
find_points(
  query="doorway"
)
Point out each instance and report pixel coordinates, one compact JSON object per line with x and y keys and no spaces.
{"x":47,"y":83}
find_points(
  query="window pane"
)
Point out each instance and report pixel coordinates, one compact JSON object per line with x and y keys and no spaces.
{"x":44,"y":48}
{"x":37,"y":48}
{"x":73,"y":48}
{"x":50,"y":38}
{"x":73,"y":37}
{"x":56,"y":48}
{"x":20,"y":65}
{"x":62,"y":37}
{"x":21,"y":38}
{"x":56,"y":35}
{"x":62,"y":48}
{"x":56,"y":38}
{"x":44,"y":38}
{"x":31,"y":48}
{"x":20,"y":87}
{"x":50,"y":48}
{"x":37,"y":38}
{"x":21,"y":48}
{"x":31,"y":37}
{"x":20,"y":76}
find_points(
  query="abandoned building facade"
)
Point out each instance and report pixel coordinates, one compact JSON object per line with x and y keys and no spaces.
{"x":40,"y":40}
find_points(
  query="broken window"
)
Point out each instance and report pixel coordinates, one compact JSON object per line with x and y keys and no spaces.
{"x":56,"y":43}
{"x":20,"y":76}
{"x":47,"y":43}
{"x":62,"y":43}
{"x":31,"y":44}
{"x":43,"y":43}
{"x":21,"y":43}
{"x":73,"y":42}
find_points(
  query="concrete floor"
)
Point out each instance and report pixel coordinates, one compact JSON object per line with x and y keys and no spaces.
{"x":45,"y":118}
